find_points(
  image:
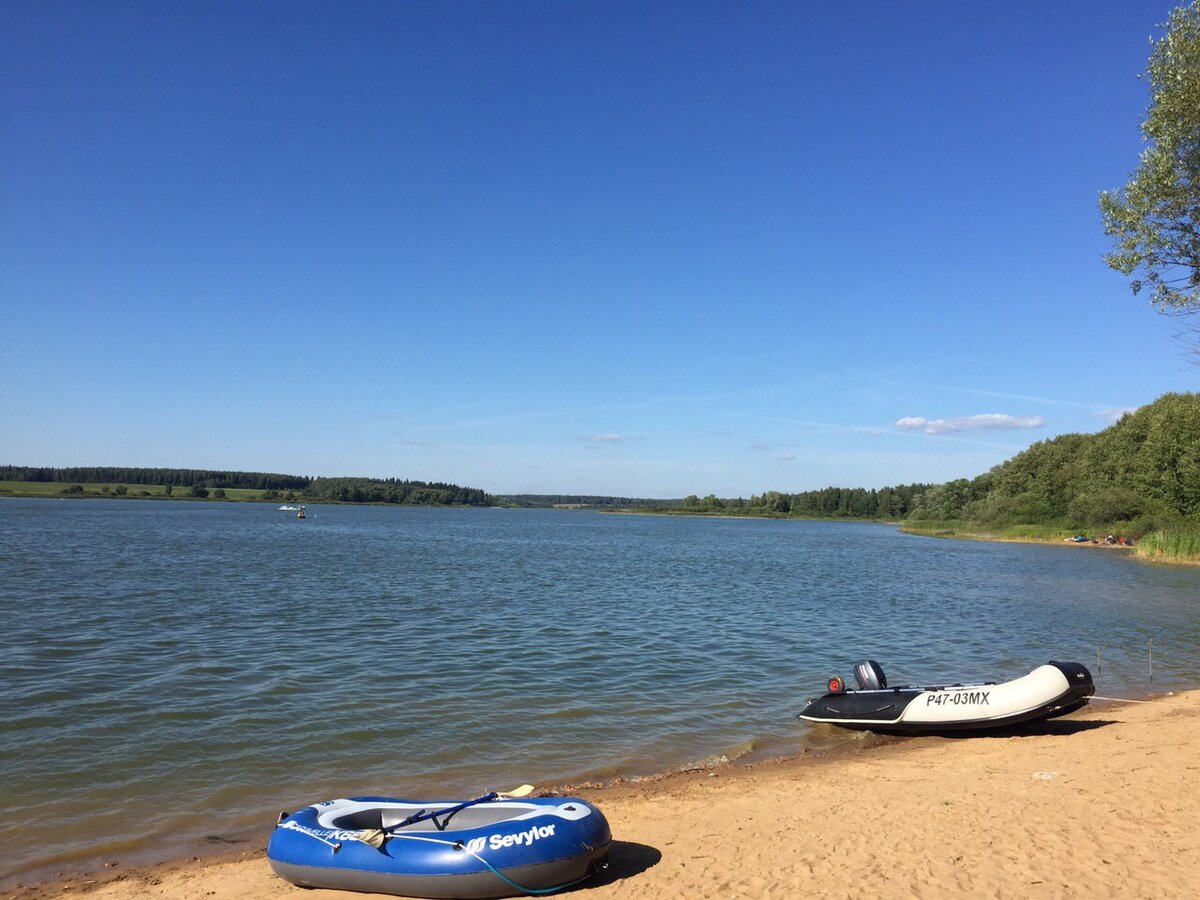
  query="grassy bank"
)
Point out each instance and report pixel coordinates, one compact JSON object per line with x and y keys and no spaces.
{"x":970,"y":531}
{"x":120,"y":491}
{"x":1176,"y":544}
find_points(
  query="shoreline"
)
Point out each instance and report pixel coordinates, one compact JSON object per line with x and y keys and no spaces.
{"x":1093,"y":804}
{"x":1129,"y":551}
{"x":993,"y":538}
{"x":160,"y":498}
{"x":97,"y":865}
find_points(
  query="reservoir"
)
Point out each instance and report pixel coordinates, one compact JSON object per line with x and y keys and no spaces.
{"x":173,"y":674}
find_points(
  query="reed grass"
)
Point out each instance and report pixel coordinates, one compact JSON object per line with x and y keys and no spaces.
{"x":1178,"y":544}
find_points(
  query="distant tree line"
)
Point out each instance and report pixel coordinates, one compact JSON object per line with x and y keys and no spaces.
{"x":392,"y":490}
{"x":203,"y":483}
{"x":1140,"y":475}
{"x":827,"y":503}
{"x":590,"y":501}
{"x":260,"y":481}
{"x":850,"y":503}
{"x":1143,"y":474}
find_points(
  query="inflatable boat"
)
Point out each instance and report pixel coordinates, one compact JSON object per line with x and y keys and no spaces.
{"x":1051,"y":690}
{"x":487,"y":847}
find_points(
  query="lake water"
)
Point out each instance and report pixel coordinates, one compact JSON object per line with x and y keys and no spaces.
{"x":174,"y":673}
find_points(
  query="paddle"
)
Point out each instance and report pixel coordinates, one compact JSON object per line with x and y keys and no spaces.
{"x":376,"y":837}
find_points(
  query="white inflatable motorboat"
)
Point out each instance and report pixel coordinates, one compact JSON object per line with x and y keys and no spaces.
{"x":1051,"y":690}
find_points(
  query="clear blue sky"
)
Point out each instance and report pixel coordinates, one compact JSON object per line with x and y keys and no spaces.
{"x":629,"y":248}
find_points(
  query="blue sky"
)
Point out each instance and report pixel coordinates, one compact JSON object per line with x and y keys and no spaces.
{"x":645,"y":249}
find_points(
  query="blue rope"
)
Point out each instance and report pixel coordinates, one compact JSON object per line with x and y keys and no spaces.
{"x":521,"y":887}
{"x":458,"y":845}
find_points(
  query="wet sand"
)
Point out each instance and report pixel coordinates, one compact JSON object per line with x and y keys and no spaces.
{"x":1099,"y":804}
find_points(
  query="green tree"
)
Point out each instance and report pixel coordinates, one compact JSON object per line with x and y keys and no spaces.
{"x":197,"y":490}
{"x":777,"y":502}
{"x":1106,"y":506}
{"x":167,"y":490}
{"x":1155,"y":218}
{"x":219,"y":493}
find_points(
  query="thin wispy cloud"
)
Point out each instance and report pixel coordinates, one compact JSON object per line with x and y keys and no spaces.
{"x":871,"y":430}
{"x":1098,"y":409}
{"x":982,"y":422}
{"x":482,"y":421}
{"x":1026,"y":398}
{"x":607,"y":438}
{"x":801,"y":423}
{"x":763,"y":446}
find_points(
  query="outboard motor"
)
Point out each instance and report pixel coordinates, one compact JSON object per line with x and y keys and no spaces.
{"x":869,"y":675}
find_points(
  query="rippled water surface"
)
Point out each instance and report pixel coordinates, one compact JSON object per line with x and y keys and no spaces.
{"x":174,"y":670}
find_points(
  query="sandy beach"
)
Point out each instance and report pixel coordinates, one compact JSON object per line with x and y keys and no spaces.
{"x":1099,"y":804}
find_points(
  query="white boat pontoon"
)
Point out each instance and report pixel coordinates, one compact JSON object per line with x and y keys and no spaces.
{"x":1051,"y":690}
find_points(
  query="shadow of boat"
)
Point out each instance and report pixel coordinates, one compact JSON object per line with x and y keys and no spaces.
{"x":1042,"y":728}
{"x":625,"y":860}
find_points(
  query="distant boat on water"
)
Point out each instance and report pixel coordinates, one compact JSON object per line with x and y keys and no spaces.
{"x":286,"y":508}
{"x":300,"y":513}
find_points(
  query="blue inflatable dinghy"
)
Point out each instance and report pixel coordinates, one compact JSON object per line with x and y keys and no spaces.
{"x":491,"y":846}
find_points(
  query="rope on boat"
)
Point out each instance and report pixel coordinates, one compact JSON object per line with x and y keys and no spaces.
{"x":458,"y":845}
{"x":1119,"y":699}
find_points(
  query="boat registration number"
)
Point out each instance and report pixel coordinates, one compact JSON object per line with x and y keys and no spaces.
{"x":958,"y":698}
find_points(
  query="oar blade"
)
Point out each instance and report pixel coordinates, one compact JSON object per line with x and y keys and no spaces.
{"x":373,"y":836}
{"x":523,"y":791}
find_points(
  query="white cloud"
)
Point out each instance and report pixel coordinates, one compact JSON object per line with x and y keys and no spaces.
{"x":982,"y":422}
{"x":1113,"y":414}
{"x":599,"y":438}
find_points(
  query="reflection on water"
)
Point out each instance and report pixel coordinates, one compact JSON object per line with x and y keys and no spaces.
{"x":172,"y":670}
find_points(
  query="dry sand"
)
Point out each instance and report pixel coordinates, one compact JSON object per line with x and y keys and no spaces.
{"x":1103,"y":803}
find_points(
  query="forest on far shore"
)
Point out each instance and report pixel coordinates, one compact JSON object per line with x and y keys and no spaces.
{"x":1142,"y":473}
{"x":222,"y":485}
{"x":1139,"y":476}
